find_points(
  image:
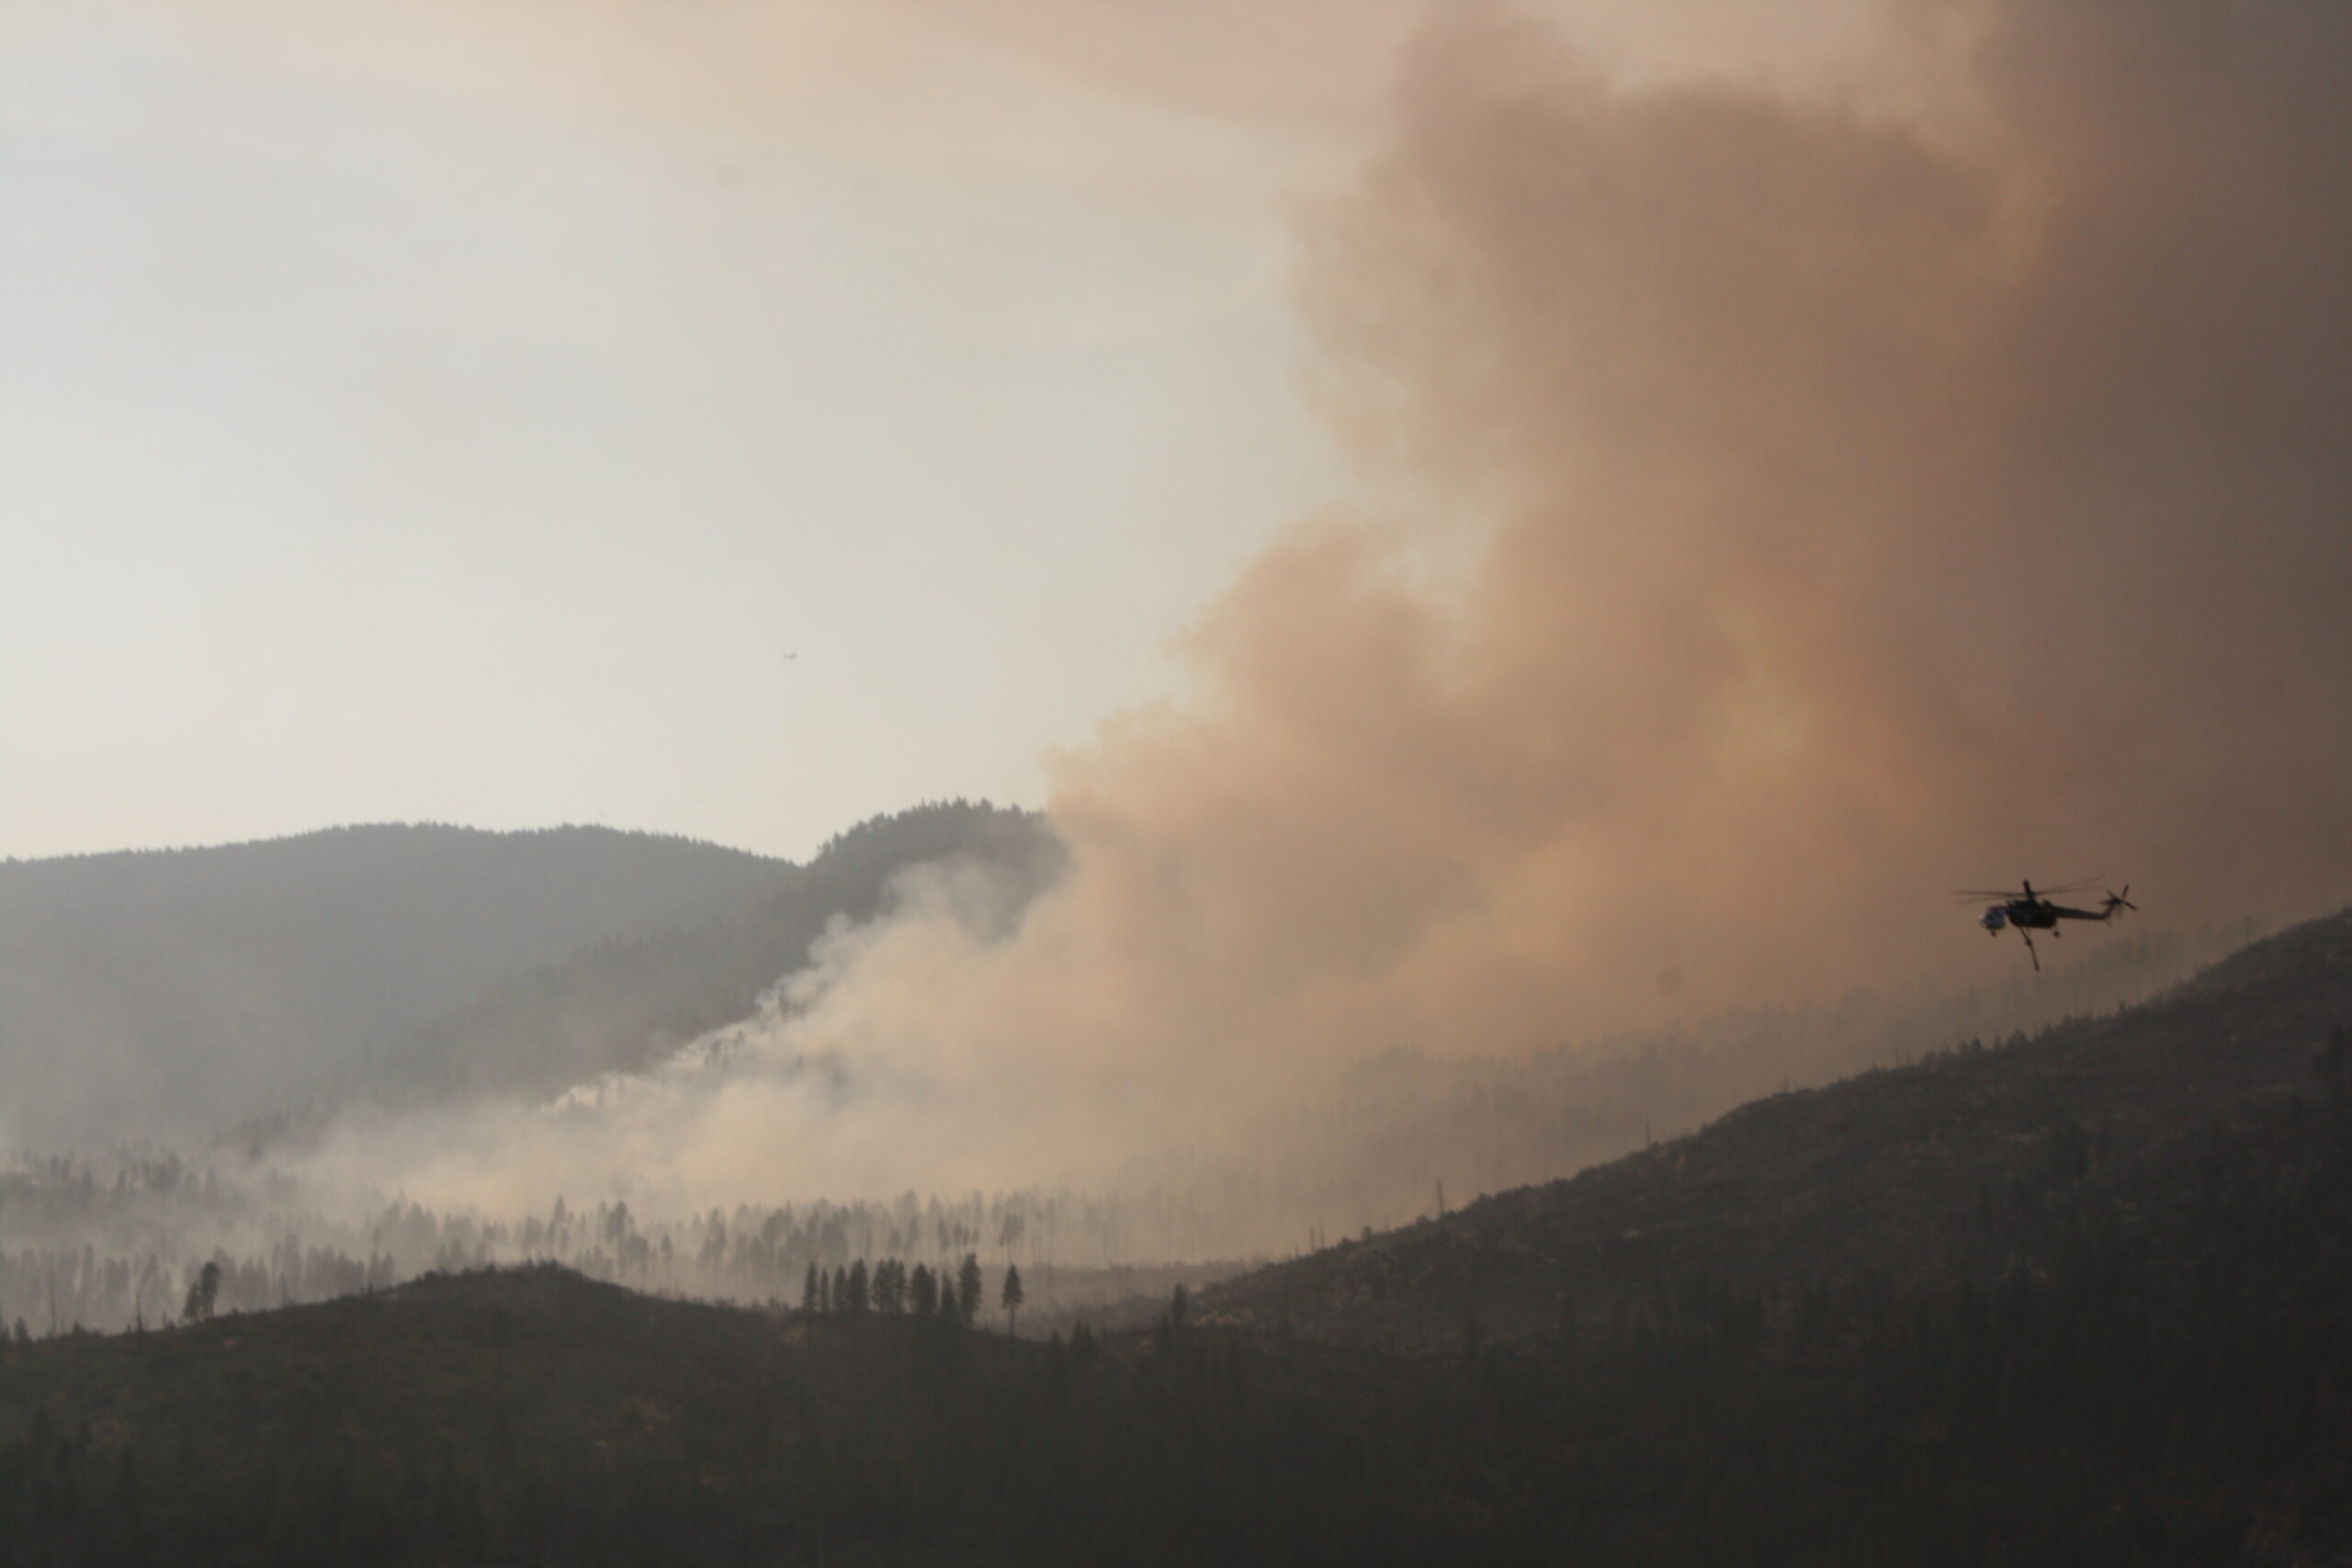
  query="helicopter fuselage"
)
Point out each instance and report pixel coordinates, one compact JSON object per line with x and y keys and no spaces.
{"x":2036,"y":915}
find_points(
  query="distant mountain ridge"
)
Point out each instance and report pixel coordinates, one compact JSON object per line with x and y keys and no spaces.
{"x":623,"y":1002}
{"x":175,"y":993}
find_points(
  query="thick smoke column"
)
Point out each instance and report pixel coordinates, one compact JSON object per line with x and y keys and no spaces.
{"x":1881,"y":506}
{"x":1806,"y":511}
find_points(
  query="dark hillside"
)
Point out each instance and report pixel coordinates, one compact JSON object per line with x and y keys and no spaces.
{"x":422,"y":1424}
{"x":1923,"y":1177}
{"x":535,"y":1416}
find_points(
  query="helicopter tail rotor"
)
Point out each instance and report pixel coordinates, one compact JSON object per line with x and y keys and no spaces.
{"x":2118,"y":901}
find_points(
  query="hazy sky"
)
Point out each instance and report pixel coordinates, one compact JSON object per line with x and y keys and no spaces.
{"x":415,"y":437}
{"x":414,"y":409}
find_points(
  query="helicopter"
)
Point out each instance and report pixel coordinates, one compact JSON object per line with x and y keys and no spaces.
{"x":2031,"y":911}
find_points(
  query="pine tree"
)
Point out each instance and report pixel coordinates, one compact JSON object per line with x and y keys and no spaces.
{"x":812,"y":1292}
{"x":926,"y":1287}
{"x":968,"y":1288}
{"x":202,"y":1292}
{"x":1012,"y":1296}
{"x":951,"y":1310}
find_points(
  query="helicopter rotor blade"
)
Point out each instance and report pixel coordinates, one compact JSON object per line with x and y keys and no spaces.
{"x":2029,"y":891}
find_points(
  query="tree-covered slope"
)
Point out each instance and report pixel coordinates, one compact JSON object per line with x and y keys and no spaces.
{"x":1938,"y":1174}
{"x":179,"y":993}
{"x":157,"y":991}
{"x":621,"y":1003}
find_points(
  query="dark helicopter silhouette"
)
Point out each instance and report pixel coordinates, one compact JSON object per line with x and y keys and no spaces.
{"x":2030,"y":911}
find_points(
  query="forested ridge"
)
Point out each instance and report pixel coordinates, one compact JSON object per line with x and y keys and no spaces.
{"x":259,"y":988}
{"x":1942,"y":1171}
{"x":160,"y":992}
{"x":622,"y":1003}
{"x":2103,"y":1321}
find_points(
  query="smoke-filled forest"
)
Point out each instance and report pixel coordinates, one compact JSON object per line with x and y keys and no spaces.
{"x":105,"y":1239}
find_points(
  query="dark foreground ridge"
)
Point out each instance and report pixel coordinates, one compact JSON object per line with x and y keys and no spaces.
{"x":2086,"y":1299}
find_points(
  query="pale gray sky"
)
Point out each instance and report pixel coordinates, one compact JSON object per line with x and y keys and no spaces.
{"x":414,"y":409}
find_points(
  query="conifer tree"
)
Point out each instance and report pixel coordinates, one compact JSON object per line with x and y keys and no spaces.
{"x":202,"y":1292}
{"x":968,"y":1288}
{"x":1012,"y":1296}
